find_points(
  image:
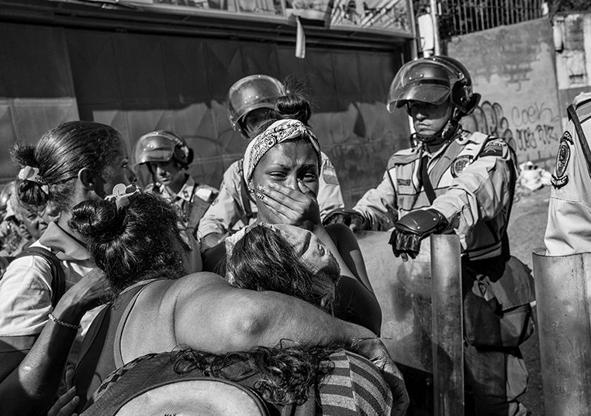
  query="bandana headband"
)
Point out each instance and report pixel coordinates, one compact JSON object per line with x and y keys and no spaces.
{"x":278,"y":132}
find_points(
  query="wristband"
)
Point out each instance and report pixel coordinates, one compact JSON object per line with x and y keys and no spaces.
{"x":63,"y":323}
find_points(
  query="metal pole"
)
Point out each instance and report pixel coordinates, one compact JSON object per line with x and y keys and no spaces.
{"x":563,"y":297}
{"x":435,"y":20}
{"x":447,"y":325}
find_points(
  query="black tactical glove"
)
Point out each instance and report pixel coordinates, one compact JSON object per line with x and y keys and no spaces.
{"x":349,"y":217}
{"x":412,"y":228}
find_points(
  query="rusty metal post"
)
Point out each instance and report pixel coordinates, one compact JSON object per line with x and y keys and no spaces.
{"x":447,"y":325}
{"x":563,"y":297}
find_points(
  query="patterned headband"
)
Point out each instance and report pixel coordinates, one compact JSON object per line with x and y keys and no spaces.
{"x":278,"y":132}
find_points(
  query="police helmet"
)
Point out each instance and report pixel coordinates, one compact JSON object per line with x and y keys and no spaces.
{"x":251,"y":93}
{"x":162,"y":146}
{"x":433,"y":80}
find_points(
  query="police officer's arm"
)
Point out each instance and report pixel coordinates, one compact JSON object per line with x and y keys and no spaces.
{"x":378,"y":205}
{"x":223,"y":212}
{"x":481,"y":190}
{"x":329,"y":196}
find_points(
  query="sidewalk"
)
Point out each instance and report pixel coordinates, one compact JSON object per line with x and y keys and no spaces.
{"x":526,"y":232}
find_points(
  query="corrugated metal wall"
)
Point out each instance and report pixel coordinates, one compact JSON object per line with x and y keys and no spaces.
{"x":140,"y":81}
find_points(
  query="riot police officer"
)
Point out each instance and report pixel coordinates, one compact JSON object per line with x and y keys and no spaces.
{"x":253,"y":100}
{"x":167,"y":158}
{"x":454,"y":181}
{"x":569,"y":211}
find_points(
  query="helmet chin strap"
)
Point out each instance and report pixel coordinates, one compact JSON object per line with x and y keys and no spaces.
{"x":447,"y":132}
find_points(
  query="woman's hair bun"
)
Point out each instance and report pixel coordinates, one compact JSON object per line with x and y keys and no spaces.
{"x":31,"y":193}
{"x":294,"y":105}
{"x":98,"y":221}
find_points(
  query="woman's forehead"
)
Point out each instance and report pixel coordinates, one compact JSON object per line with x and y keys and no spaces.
{"x":299,"y":152}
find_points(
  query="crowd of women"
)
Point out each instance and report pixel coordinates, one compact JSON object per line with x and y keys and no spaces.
{"x":285,"y":297}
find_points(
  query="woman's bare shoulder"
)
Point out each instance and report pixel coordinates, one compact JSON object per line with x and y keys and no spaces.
{"x":198,"y":281}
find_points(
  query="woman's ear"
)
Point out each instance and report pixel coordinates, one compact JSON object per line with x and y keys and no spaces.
{"x":91,"y":182}
{"x":86,"y":178}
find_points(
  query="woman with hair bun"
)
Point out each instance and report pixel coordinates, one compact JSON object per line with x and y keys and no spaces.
{"x":74,"y":162}
{"x":281,"y":168}
{"x":156,"y":309}
{"x":253,"y":101}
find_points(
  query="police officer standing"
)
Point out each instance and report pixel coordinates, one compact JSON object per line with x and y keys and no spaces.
{"x":455,"y":181}
{"x":167,"y":158}
{"x":569,"y":212}
{"x":252,"y":101}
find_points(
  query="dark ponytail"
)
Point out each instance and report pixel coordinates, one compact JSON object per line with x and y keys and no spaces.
{"x":60,"y":154}
{"x":29,"y":192}
{"x":130,"y":243}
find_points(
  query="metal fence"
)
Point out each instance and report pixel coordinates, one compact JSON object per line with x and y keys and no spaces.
{"x":459,"y":17}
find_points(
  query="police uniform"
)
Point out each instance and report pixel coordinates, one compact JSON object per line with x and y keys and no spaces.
{"x":569,"y":211}
{"x":473,"y":180}
{"x":191,"y":201}
{"x":234,"y":209}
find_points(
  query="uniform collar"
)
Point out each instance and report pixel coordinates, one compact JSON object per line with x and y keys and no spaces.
{"x":187,"y":190}
{"x":185,"y":193}
{"x":463,"y":137}
{"x":68,"y":247}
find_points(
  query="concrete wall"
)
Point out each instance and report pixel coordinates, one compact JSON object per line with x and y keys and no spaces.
{"x":513,"y":68}
{"x":572,"y":34}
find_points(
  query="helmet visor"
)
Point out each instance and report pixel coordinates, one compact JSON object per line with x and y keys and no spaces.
{"x":419,"y":81}
{"x":153,"y":149}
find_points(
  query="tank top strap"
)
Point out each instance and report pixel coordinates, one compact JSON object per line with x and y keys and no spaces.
{"x":97,"y":359}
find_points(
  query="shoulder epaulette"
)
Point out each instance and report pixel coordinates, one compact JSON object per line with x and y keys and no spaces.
{"x":495,"y":146}
{"x":403,"y":157}
{"x":206,"y":193}
{"x":582,"y":104}
{"x":476,"y":136}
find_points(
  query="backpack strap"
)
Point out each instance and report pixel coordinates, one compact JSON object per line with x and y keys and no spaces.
{"x":58,"y":277}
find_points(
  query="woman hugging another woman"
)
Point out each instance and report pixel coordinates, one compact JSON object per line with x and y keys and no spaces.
{"x":133,"y":238}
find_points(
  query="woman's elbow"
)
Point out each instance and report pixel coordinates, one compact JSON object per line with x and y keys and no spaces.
{"x":246,"y":326}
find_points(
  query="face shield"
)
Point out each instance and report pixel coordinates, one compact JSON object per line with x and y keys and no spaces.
{"x":153,"y":148}
{"x":420,"y":80}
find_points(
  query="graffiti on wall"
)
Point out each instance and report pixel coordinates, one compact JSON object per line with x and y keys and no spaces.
{"x":532,"y":131}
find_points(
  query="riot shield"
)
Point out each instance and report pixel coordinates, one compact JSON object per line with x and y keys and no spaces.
{"x":563,"y":296}
{"x":422,"y":331}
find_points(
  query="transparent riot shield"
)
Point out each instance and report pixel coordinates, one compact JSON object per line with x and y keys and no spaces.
{"x":563,"y":296}
{"x":422,"y":331}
